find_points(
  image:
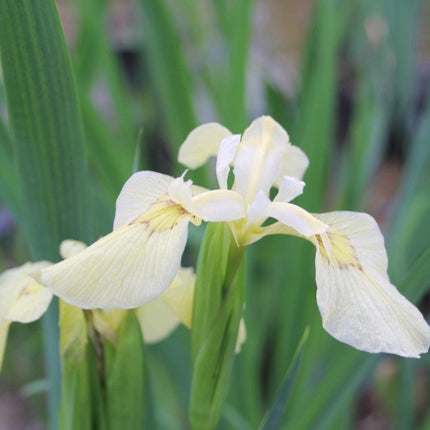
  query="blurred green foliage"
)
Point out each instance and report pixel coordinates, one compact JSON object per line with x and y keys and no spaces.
{"x":359,"y":108}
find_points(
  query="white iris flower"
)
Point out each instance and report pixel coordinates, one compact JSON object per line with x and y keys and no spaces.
{"x":138,"y":261}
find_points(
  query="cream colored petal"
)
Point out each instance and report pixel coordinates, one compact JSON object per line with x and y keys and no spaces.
{"x":294,"y":163}
{"x":156,"y":320}
{"x":202,"y":143}
{"x":219,"y":205}
{"x":4,"y":329}
{"x":216,"y":205}
{"x":289,"y":189}
{"x":358,"y":304}
{"x":159,"y":318}
{"x":31,"y":304}
{"x":129,"y":267}
{"x":179,"y":296}
{"x":257,"y":210}
{"x":226,"y":154}
{"x":69,"y":248}
{"x":22,"y":299}
{"x":259,"y":157}
{"x":73,"y":332}
{"x":297,"y":218}
{"x":363,"y":234}
{"x":138,"y":194}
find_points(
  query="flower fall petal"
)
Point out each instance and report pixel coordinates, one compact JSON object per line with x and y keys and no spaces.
{"x":358,"y":304}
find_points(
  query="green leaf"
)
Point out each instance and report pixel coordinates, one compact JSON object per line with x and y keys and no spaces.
{"x":124,"y":373}
{"x":274,"y":416}
{"x":168,"y":70}
{"x":9,"y":191}
{"x":45,"y":124}
{"x":48,"y":143}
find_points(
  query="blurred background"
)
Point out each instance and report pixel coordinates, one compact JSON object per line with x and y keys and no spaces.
{"x":349,"y":82}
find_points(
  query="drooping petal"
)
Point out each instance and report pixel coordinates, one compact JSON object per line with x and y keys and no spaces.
{"x":294,"y":163}
{"x":159,"y":318}
{"x":31,"y":304}
{"x":22,"y":299}
{"x":259,"y":157}
{"x":138,"y":194}
{"x":202,"y":143}
{"x":289,"y":189}
{"x":69,"y":248}
{"x":216,"y":205}
{"x":156,"y":321}
{"x":179,"y":296}
{"x":226,"y":154}
{"x":127,"y":268}
{"x":297,"y":218}
{"x":358,"y":304}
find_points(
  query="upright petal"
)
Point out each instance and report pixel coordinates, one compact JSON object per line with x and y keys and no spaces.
{"x":358,"y":304}
{"x":138,"y":194}
{"x":225,"y":157}
{"x":294,"y":163}
{"x":128,"y":267}
{"x":202,"y":143}
{"x":259,"y":157}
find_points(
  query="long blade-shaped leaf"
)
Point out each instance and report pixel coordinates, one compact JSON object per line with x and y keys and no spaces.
{"x":48,"y":141}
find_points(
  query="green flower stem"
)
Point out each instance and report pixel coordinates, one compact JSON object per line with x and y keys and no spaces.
{"x":218,"y":305}
{"x":124,"y":374}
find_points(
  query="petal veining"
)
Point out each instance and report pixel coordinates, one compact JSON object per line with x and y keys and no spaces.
{"x":138,"y":194}
{"x":358,"y":304}
{"x":128,"y":267}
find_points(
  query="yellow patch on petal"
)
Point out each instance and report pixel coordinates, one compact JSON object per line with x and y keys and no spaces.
{"x":128,"y":267}
{"x":340,"y":251}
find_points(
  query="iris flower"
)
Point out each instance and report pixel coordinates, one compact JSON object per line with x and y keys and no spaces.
{"x":138,"y":261}
{"x":23,"y":299}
